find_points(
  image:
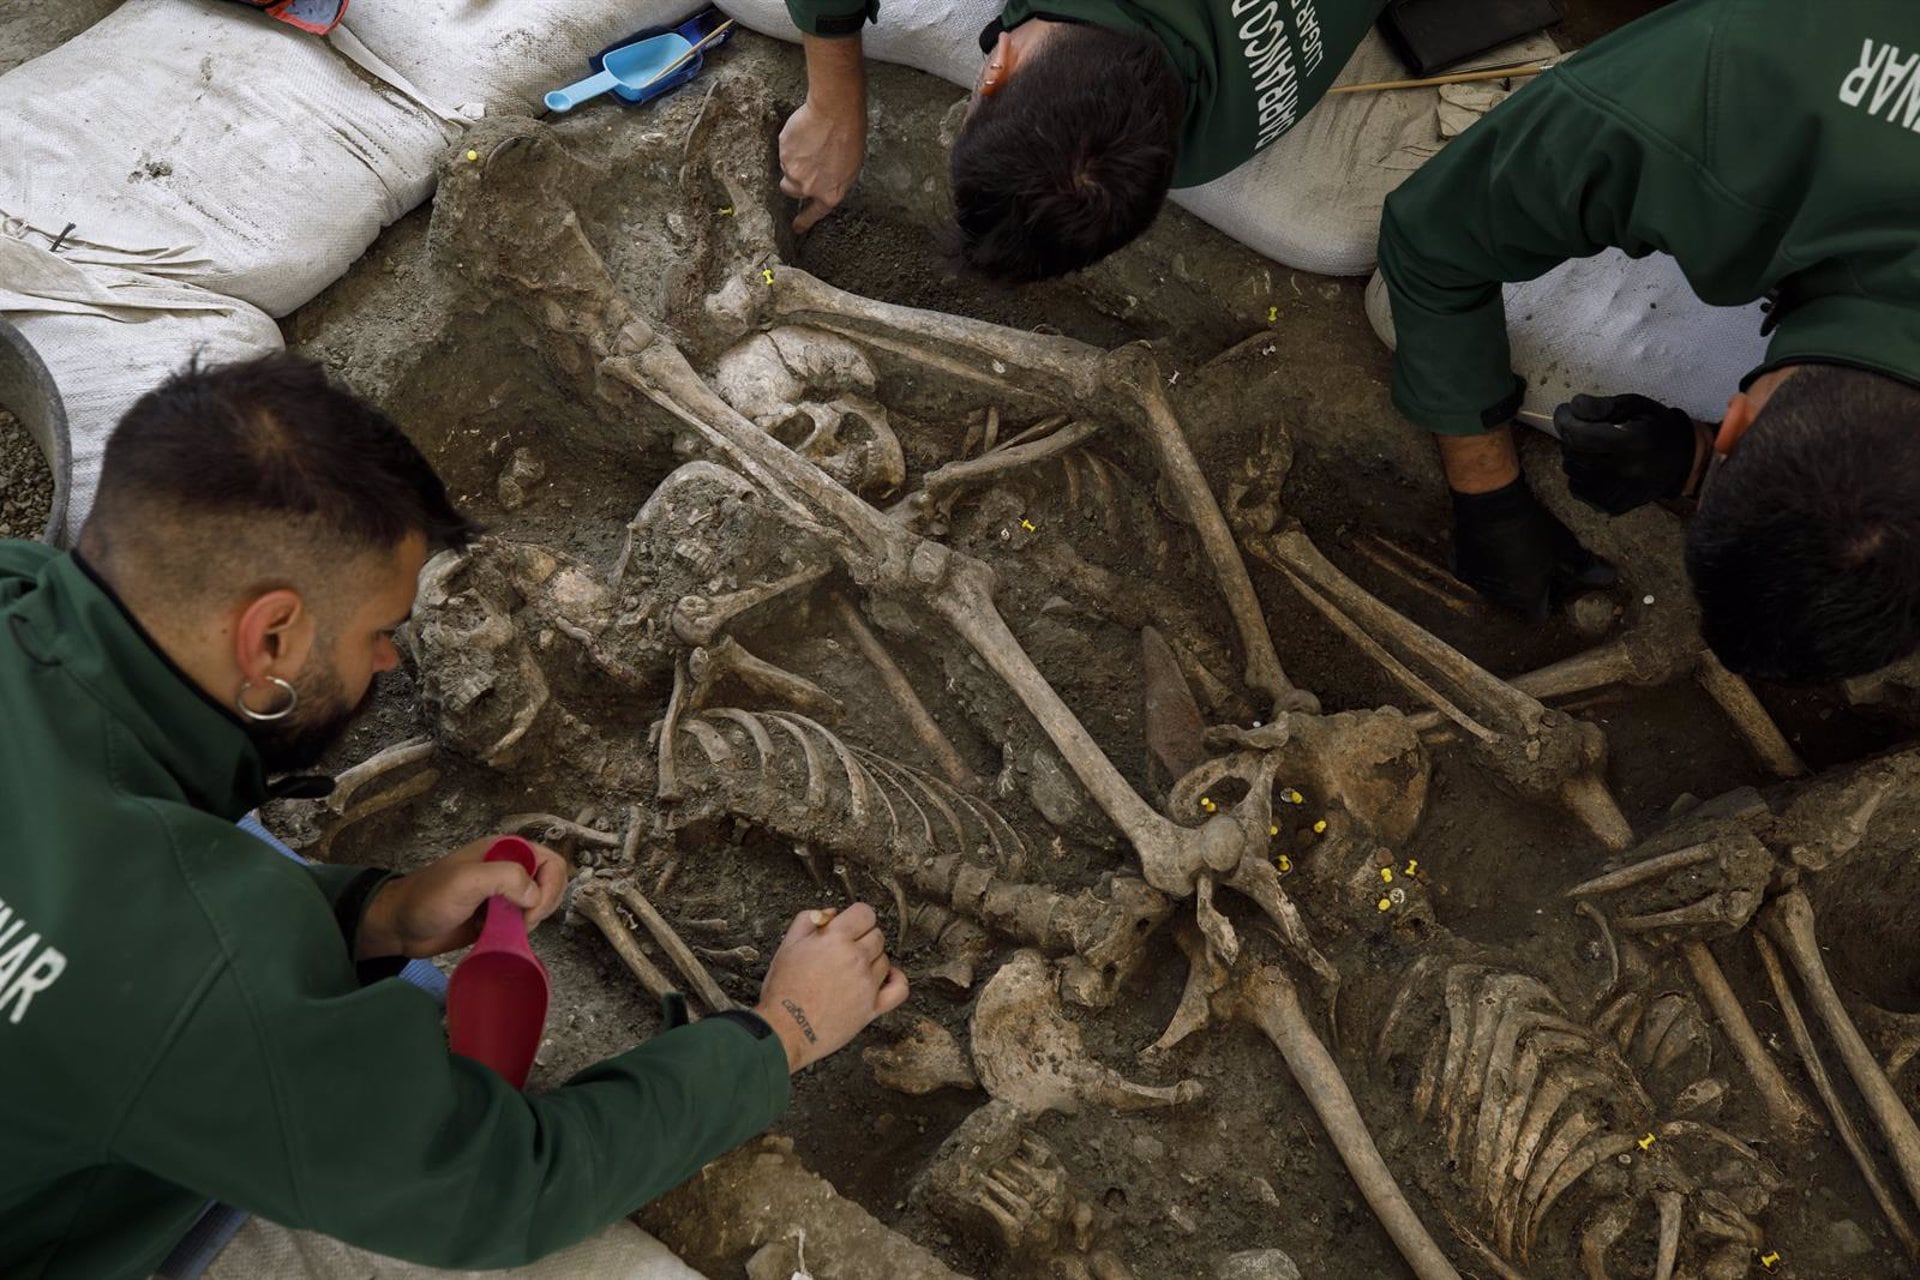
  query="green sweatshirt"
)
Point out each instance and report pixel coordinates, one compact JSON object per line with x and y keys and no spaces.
{"x":1765,"y":144}
{"x":1253,"y":68}
{"x":181,"y":1017}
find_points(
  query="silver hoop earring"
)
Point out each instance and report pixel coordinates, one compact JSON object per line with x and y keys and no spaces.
{"x":265,"y":717}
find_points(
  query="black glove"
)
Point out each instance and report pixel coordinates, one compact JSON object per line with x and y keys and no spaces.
{"x":1511,"y":550}
{"x":1622,"y":452}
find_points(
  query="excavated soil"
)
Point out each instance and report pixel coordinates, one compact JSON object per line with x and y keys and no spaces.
{"x":26,"y":482}
{"x":1248,"y":1166}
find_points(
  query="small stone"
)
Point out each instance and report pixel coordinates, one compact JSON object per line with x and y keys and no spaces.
{"x":1592,"y":615}
{"x":1182,"y":1217}
{"x":1257,"y":1264}
{"x":1149,"y":1150}
{"x":1848,"y":1239}
{"x":1263,"y":1191}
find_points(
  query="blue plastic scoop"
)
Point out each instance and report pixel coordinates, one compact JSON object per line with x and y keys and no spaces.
{"x":648,"y":63}
{"x":635,"y":67}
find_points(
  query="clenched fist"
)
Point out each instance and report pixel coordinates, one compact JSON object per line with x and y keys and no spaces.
{"x":830,"y":978}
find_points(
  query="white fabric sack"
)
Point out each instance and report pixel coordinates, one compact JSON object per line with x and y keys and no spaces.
{"x":1612,"y":324}
{"x":501,"y":56}
{"x":621,"y":1252}
{"x":108,"y":337}
{"x":198,"y":142}
{"x":1311,"y":201}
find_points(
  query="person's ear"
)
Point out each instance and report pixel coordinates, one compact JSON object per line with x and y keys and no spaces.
{"x":273,"y":636}
{"x":1741,"y":412}
{"x":999,"y":67}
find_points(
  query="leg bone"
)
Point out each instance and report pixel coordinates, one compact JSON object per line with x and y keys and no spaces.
{"x":1789,"y":922}
{"x":1788,"y":1110}
{"x":1836,"y":1110}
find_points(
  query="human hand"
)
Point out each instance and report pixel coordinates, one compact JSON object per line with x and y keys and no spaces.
{"x":830,"y":978}
{"x":1511,"y":550}
{"x":439,"y":907}
{"x":1622,"y":452}
{"x":821,"y":150}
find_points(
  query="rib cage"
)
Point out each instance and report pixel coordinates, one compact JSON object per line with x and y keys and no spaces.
{"x":1530,"y":1104}
{"x":792,"y":775}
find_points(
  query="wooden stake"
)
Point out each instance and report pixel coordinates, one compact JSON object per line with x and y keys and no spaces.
{"x":1520,"y":72}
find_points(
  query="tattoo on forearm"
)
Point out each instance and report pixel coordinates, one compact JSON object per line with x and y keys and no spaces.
{"x":799,"y":1016}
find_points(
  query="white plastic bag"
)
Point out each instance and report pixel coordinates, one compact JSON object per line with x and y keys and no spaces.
{"x":108,"y":337}
{"x":1612,"y":324}
{"x":501,"y":56}
{"x":197,"y":142}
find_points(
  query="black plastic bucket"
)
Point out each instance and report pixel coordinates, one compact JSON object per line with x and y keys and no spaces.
{"x":28,"y":393}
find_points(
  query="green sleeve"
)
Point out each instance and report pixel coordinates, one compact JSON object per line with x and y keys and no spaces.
{"x":1564,"y":169}
{"x":348,"y":891}
{"x":346,"y":1114}
{"x":831,"y":18}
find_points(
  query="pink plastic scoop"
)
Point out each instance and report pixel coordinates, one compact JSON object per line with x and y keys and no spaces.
{"x":497,"y":997}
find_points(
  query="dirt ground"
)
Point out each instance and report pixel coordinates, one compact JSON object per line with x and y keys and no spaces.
{"x":1248,"y":1165}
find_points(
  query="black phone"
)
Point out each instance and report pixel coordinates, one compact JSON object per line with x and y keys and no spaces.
{"x":1432,"y":35}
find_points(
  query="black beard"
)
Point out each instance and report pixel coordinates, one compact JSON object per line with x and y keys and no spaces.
{"x":318,"y":722}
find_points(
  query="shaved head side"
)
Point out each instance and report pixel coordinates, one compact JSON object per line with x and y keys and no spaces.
{"x":228,"y":481}
{"x":1805,"y":553}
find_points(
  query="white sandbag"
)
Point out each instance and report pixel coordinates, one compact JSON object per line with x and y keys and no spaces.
{"x":1311,"y":201}
{"x":501,"y":56}
{"x":621,"y":1252}
{"x":1612,"y":324}
{"x":197,"y":142}
{"x":108,"y":337}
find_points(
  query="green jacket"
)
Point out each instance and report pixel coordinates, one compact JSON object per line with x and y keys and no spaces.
{"x":181,"y":1018}
{"x":1253,"y":67}
{"x":1765,"y":144}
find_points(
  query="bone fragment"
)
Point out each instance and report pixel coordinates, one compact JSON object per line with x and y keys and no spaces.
{"x":1735,"y":697}
{"x":668,"y":748}
{"x":1789,"y":922}
{"x":411,"y":789}
{"x":945,"y":481}
{"x":591,"y":901}
{"x":726,"y":659}
{"x":1028,"y":1053}
{"x":350,"y":782}
{"x":925,"y":727}
{"x":1788,"y":1110}
{"x":677,"y":950}
{"x":1024,"y":364}
{"x":699,"y":620}
{"x":1836,"y":1110}
{"x":1671,"y":1205}
{"x":927,"y":1058}
{"x":552,"y":826}
{"x":1401,"y":673}
{"x":1172,"y":857}
{"x":1133,"y":371}
{"x":1640,"y":872}
{"x":1486,"y":699}
{"x":1266,"y":997}
{"x":1598,"y":1237}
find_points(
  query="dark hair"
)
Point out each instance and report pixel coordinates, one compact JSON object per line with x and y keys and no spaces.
{"x":1071,"y":159}
{"x":1805,"y":553}
{"x":268,"y":459}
